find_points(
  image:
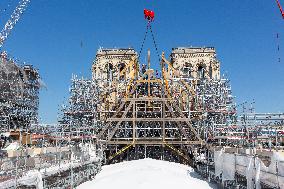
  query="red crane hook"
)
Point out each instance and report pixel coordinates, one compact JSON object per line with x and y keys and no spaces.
{"x":149,"y":15}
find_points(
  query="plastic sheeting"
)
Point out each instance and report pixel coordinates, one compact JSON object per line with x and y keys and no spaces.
{"x":7,"y":184}
{"x":257,"y":174}
{"x":92,"y":151}
{"x":281,"y":173}
{"x":250,"y":173}
{"x":281,"y":168}
{"x":229,"y":166}
{"x":256,"y":171}
{"x":32,"y":178}
{"x":273,"y":174}
{"x":225,"y":164}
{"x":241,"y":164}
{"x":218,"y":159}
{"x":251,"y":167}
{"x":12,"y":146}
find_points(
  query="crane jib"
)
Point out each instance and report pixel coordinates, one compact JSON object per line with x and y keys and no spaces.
{"x":14,"y":18}
{"x":280,"y":8}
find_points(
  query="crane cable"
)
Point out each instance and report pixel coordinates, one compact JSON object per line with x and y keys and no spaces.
{"x":145,"y":36}
{"x":153,"y":38}
{"x":156,"y":47}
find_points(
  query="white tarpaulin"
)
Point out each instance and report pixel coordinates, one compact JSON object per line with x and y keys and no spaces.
{"x":257,"y":173}
{"x":225,"y":164}
{"x":241,"y":164}
{"x":7,"y":134}
{"x":32,"y":178}
{"x":250,"y":173}
{"x":281,"y":182}
{"x":218,"y":159}
{"x":281,"y":173}
{"x":12,"y":146}
{"x":281,"y":168}
{"x":229,"y":167}
{"x":271,"y":174}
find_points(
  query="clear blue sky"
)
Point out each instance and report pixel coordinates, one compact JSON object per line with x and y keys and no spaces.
{"x":50,"y":32}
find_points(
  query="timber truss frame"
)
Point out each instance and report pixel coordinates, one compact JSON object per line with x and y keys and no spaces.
{"x":150,"y":115}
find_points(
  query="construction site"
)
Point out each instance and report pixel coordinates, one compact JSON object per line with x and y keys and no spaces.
{"x":183,"y":112}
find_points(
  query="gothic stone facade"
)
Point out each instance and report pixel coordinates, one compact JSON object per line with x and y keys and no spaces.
{"x":196,"y":62}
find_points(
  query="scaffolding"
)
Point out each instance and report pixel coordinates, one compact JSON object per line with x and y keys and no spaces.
{"x":19,"y":98}
{"x":80,"y":112}
{"x":168,"y":115}
{"x":58,"y":158}
{"x":54,"y":155}
{"x":33,"y":155}
{"x":183,"y":113}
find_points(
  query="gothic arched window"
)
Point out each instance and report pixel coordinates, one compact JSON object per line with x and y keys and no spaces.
{"x":121,"y":67}
{"x":109,"y":71}
{"x":201,"y":72}
{"x":186,"y":71}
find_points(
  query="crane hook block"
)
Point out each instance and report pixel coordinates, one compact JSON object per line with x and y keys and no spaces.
{"x":149,"y":15}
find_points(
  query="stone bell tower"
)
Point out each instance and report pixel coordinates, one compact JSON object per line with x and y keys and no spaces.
{"x":196,"y":62}
{"x":110,"y":62}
